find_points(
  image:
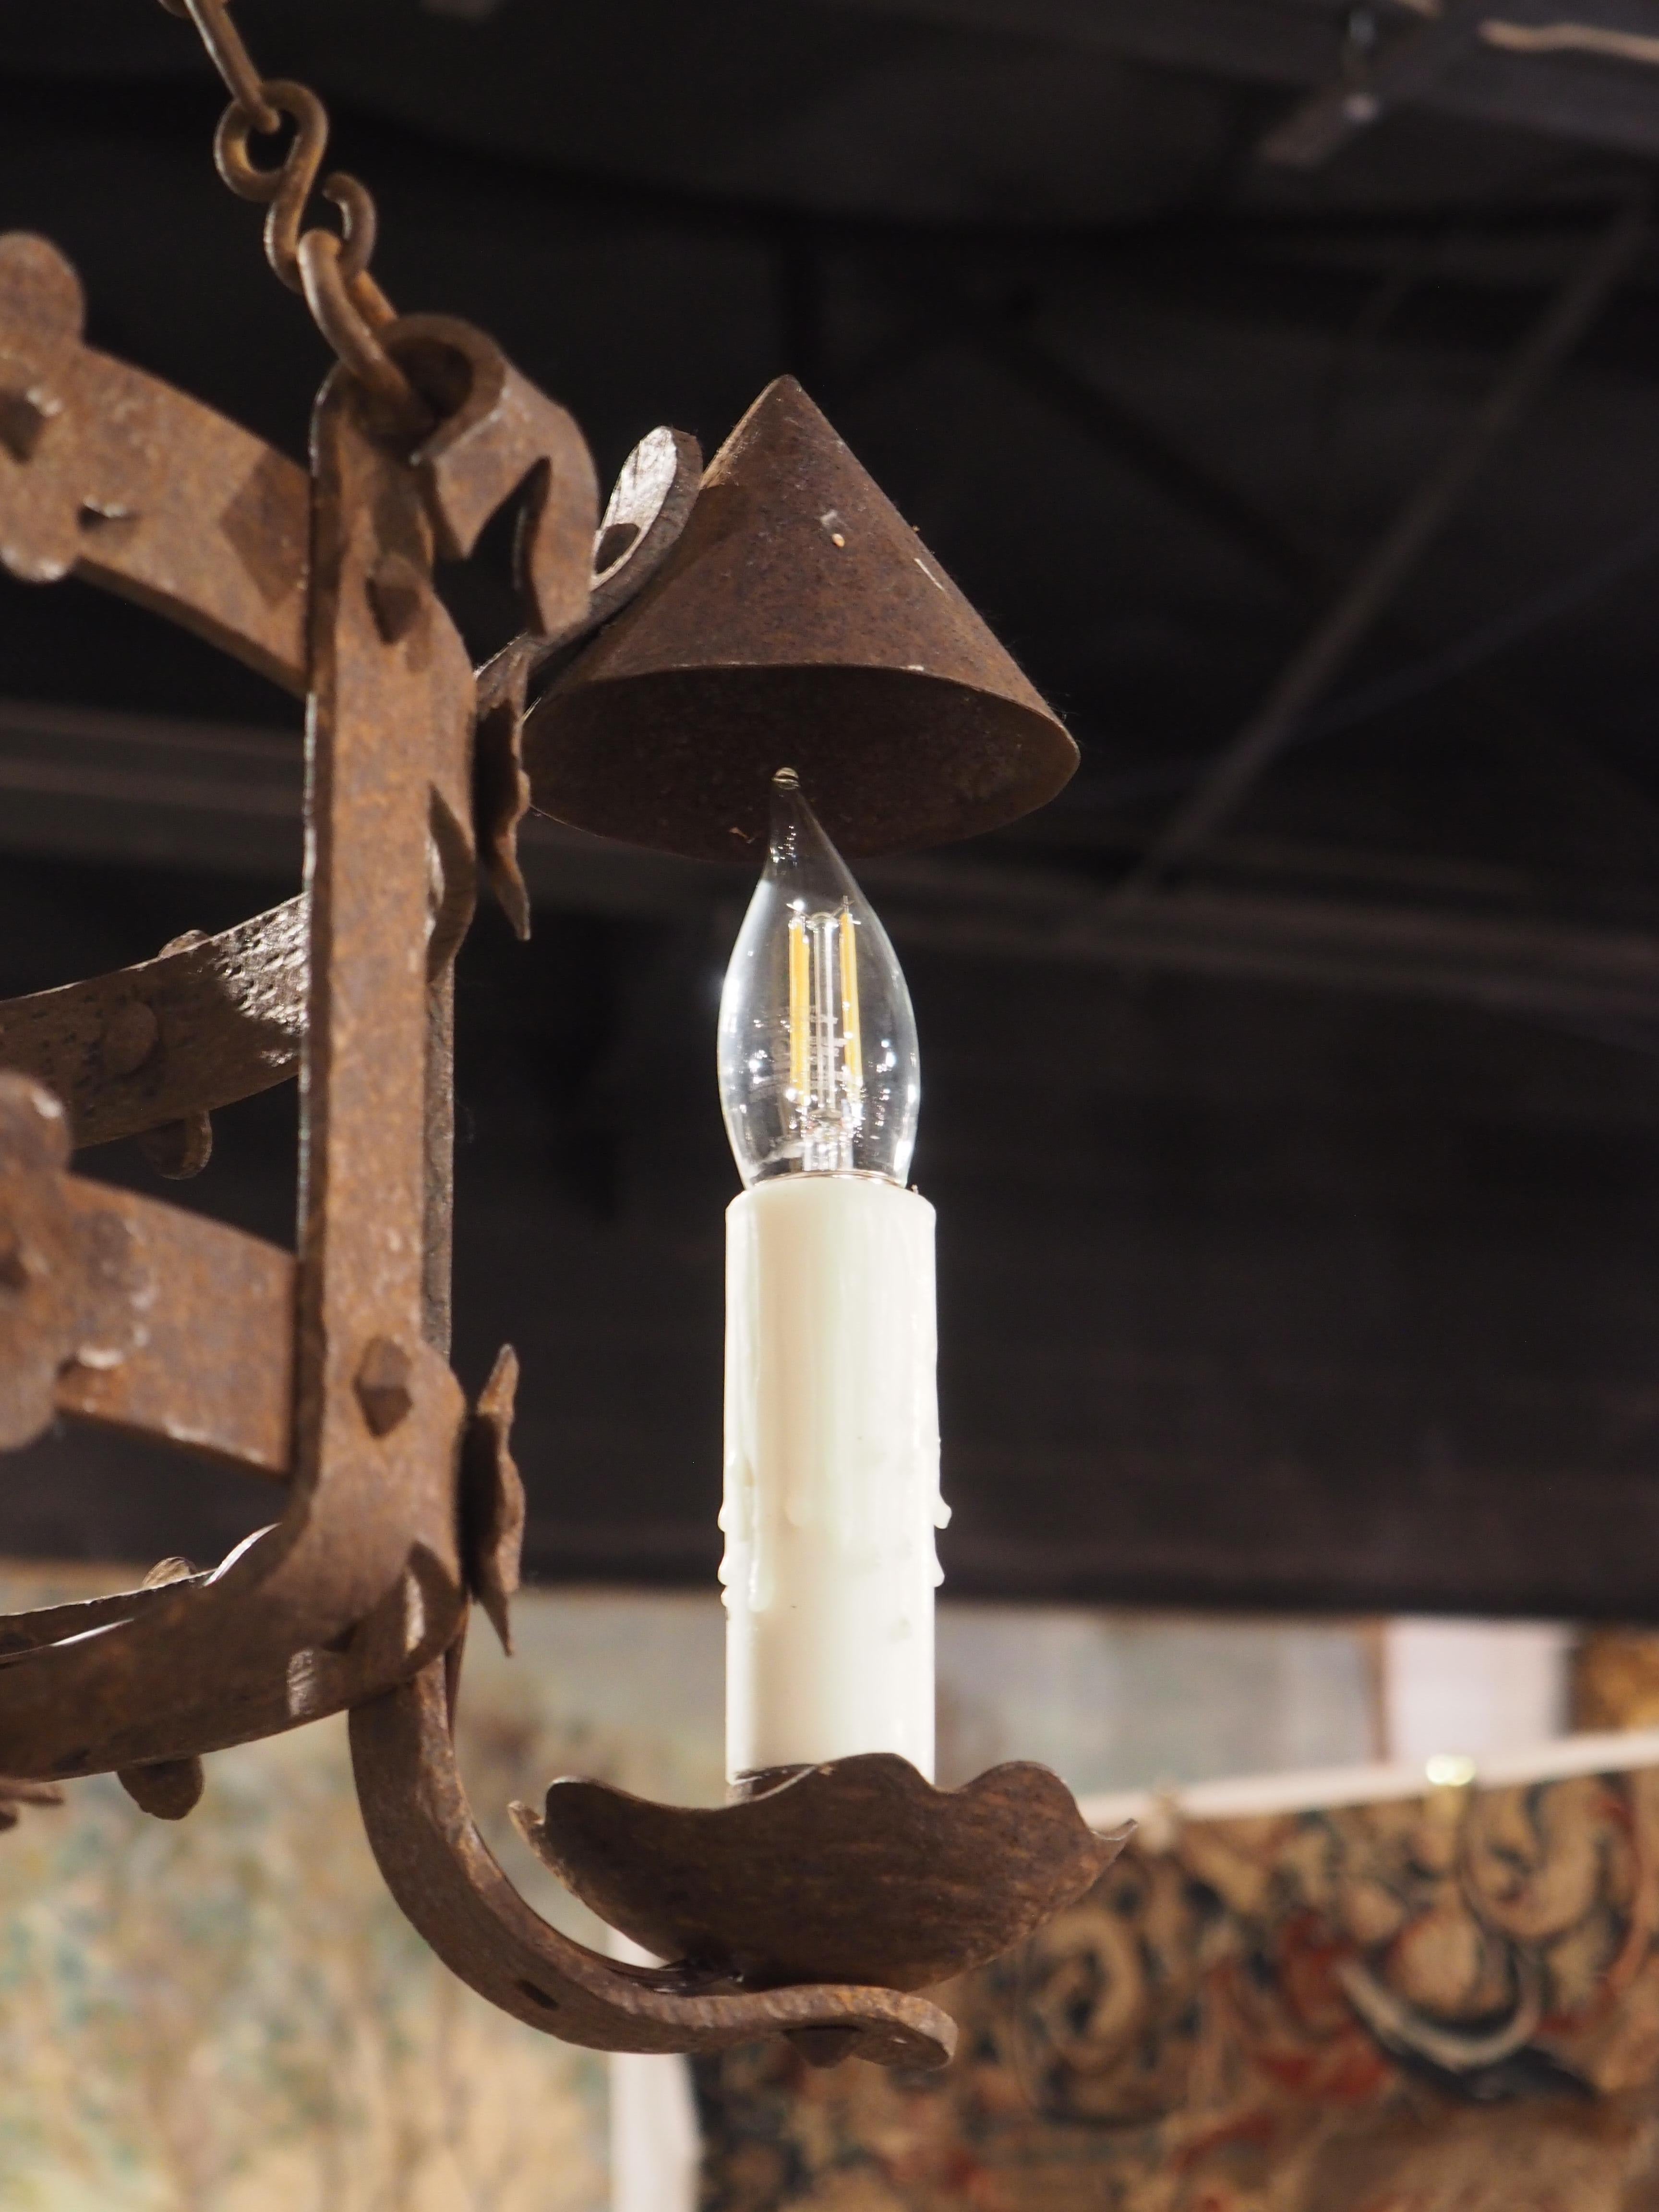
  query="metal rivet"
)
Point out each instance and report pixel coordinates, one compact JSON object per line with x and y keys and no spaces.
{"x":382,"y":1384}
{"x":180,"y":1150}
{"x":130,"y":1035}
{"x":167,"y":1788}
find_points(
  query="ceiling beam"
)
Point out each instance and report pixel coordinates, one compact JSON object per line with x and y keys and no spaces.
{"x":1288,"y":42}
{"x":1329,"y":646}
{"x":1602,"y":97}
{"x":1597,"y":978}
{"x":1405,"y":70}
{"x":94,"y":786}
{"x":1226,"y":512}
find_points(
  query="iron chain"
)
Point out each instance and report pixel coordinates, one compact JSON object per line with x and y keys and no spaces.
{"x":332,"y":270}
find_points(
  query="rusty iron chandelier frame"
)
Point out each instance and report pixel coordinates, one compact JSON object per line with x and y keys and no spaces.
{"x":661,"y":649}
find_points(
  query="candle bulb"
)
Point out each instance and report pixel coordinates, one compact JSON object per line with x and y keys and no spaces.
{"x":832,"y":1493}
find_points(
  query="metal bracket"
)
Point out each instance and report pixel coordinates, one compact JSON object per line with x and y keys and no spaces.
{"x":443,"y":1875}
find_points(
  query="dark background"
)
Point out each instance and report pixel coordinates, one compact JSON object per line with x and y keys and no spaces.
{"x":1300,"y":1232}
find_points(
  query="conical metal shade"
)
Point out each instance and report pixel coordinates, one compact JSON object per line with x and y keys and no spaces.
{"x":798,"y":623}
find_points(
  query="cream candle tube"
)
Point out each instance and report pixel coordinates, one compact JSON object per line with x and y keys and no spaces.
{"x":832,"y":1495}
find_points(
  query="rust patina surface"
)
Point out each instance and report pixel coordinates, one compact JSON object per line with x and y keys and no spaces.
{"x":818,"y":1907}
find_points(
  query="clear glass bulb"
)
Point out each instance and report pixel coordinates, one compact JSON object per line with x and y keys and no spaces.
{"x":819,"y":1069}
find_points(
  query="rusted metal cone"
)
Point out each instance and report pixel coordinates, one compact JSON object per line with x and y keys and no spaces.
{"x":800,"y":622}
{"x":859,"y":1872}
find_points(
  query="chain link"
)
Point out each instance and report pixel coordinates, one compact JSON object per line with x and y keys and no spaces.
{"x":347,"y":305}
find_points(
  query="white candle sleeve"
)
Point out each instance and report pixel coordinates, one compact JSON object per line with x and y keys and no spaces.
{"x":832,"y":1495}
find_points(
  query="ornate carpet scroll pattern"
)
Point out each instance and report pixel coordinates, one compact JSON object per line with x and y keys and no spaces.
{"x":1445,"y":2004}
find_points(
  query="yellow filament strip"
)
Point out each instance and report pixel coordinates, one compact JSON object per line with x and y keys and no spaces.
{"x":851,"y":1041}
{"x":800,"y":1005}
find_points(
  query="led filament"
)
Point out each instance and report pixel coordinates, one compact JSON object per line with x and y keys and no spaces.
{"x":826,"y":1059}
{"x":817,"y":1047}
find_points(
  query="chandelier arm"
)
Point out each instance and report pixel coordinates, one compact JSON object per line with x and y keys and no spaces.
{"x":207,"y":1022}
{"x":446,"y":1880}
{"x":109,"y":474}
{"x":52,"y":1623}
{"x":233,"y":567}
{"x":215,"y":1698}
{"x":213,"y":1368}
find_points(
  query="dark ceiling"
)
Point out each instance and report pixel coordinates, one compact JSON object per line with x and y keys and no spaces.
{"x":1297,"y":1201}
